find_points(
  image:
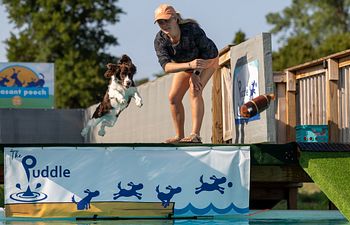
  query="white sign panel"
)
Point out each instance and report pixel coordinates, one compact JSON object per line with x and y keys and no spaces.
{"x":251,"y":68}
{"x":246,"y":80}
{"x":185,"y":180}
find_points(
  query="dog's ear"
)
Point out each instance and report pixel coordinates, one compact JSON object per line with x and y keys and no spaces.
{"x":111,"y":70}
{"x":133,"y":68}
{"x":124,"y":59}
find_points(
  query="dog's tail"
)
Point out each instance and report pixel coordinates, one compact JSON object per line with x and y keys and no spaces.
{"x":73,"y":200}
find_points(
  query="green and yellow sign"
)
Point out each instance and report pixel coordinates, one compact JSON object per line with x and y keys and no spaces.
{"x":26,"y":85}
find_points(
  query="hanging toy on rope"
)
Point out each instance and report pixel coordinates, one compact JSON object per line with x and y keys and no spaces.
{"x":256,"y":105}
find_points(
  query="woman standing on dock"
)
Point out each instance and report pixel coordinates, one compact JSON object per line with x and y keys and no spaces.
{"x":183,"y":48}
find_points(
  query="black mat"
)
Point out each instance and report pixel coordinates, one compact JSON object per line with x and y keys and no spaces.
{"x":323,"y":147}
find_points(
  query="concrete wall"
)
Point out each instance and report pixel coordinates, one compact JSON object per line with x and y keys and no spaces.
{"x":152,"y":123}
{"x":27,"y":126}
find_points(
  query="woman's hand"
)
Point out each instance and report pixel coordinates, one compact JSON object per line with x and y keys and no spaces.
{"x":199,"y":64}
{"x":196,"y":82}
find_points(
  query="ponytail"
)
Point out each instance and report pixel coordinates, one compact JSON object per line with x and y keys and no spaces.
{"x":180,"y":20}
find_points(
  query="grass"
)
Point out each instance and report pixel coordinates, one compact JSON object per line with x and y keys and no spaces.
{"x":315,"y":201}
{"x":310,"y":197}
{"x":330,"y":170}
{"x":28,"y":103}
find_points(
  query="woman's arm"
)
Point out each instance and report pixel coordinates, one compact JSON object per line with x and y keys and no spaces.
{"x":173,"y":67}
{"x":197,"y":64}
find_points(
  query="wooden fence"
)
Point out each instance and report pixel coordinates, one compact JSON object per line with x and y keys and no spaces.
{"x":220,"y":103}
{"x":313,"y":93}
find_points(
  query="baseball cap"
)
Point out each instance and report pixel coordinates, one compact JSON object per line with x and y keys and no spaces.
{"x":164,"y":11}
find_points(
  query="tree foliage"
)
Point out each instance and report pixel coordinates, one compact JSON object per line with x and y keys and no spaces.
{"x":141,"y":81}
{"x":296,"y":51}
{"x":309,"y":30}
{"x":70,"y":33}
{"x":239,"y":37}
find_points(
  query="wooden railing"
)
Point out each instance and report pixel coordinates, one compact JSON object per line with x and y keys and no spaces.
{"x":222,"y":121}
{"x":314,"y":93}
{"x":318,"y":92}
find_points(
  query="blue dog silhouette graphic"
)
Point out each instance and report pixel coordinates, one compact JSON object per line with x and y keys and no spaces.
{"x":213,"y":186}
{"x":84,"y":204}
{"x":165,"y":197}
{"x":128,"y":193}
{"x":14,"y":76}
{"x":38,"y":82}
{"x":252,"y":89}
{"x":3,"y":81}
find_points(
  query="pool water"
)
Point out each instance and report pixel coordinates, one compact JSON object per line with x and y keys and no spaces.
{"x":187,"y":222}
{"x":263,"y":217}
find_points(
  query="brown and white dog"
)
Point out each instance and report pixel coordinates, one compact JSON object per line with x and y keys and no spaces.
{"x":120,"y":90}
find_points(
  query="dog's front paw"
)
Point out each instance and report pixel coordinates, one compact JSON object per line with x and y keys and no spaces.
{"x":101,"y":133}
{"x":84,"y":132}
{"x":139,"y":103}
{"x":122,"y":100}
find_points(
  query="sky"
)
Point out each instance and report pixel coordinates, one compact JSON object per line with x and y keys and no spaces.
{"x":135,"y":31}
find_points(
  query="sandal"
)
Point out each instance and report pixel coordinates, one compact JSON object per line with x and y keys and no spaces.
{"x":193,"y":138}
{"x":172,"y":140}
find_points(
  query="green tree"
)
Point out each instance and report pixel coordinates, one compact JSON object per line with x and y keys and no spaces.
{"x":141,"y":81}
{"x":296,"y":51}
{"x":334,"y":43}
{"x":160,"y":74}
{"x":239,"y":37}
{"x":315,"y":28}
{"x":72,"y":34}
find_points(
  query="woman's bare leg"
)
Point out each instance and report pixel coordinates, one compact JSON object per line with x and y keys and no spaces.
{"x":197,"y":102}
{"x":178,"y":89}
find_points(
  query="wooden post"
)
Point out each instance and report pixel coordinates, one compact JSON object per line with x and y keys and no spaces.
{"x":280,"y":84}
{"x":291,"y":106}
{"x":292,"y":201}
{"x":332,"y":100}
{"x":217,"y":127}
{"x":217,"y":131}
